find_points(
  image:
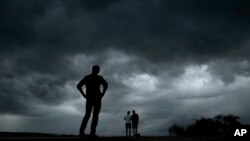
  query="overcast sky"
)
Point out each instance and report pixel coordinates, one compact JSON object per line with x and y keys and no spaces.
{"x":171,"y":61}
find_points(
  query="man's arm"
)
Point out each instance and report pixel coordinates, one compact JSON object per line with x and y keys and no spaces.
{"x":105,"y":86}
{"x":79,"y":87}
{"x":138,"y":118}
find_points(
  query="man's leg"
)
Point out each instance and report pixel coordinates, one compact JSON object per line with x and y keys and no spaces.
{"x":129,"y":130}
{"x":97,"y":108}
{"x":86,"y":117}
{"x":136,"y":126}
{"x":133,"y":128}
{"x":126,"y":129}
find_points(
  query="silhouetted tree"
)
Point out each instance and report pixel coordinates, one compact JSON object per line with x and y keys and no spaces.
{"x":203,"y":127}
{"x":207,"y":127}
{"x":176,"y":130}
{"x":230,"y":122}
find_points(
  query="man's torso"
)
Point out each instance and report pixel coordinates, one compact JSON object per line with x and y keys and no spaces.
{"x":135,"y":118}
{"x":93,"y":83}
{"x":127,"y":119}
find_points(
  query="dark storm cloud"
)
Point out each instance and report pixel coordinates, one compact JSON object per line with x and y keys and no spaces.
{"x":17,"y":19}
{"x":229,"y":70}
{"x":149,"y":51}
{"x":163,"y":29}
{"x":167,"y":30}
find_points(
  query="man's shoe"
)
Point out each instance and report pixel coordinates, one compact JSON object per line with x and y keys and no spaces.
{"x":93,"y":135}
{"x":82,"y":134}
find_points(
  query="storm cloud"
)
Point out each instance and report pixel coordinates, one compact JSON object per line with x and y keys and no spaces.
{"x":170,"y":60}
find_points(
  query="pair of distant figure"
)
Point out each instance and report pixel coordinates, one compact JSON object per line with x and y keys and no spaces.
{"x":134,"y":120}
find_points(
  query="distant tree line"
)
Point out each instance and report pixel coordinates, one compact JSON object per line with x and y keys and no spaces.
{"x":219,"y":126}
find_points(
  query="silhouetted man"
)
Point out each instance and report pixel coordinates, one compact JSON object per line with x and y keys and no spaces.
{"x":93,"y":96}
{"x":127,"y":119}
{"x":135,"y":121}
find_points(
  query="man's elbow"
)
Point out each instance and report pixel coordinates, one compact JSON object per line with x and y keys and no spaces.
{"x":105,"y":84}
{"x":78,"y":86}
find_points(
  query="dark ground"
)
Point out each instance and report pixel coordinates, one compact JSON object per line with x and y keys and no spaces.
{"x":126,"y":138}
{"x":44,"y":136}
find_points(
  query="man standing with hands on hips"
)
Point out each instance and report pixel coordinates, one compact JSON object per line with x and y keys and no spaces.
{"x":93,"y":98}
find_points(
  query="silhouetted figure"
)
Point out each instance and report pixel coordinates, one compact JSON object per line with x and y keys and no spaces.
{"x":93,"y":96}
{"x":135,"y":122}
{"x":127,"y":119}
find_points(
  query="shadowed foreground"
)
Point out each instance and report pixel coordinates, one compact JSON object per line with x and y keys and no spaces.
{"x":126,"y":138}
{"x":44,"y":136}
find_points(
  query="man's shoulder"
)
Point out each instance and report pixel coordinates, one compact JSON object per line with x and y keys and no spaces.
{"x":135,"y":115}
{"x":128,"y":116}
{"x":88,"y":75}
{"x":99,"y":76}
{"x":93,"y":76}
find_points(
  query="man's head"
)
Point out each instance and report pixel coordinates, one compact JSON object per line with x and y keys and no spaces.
{"x":128,"y":112}
{"x":95,"y":69}
{"x":133,"y":111}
